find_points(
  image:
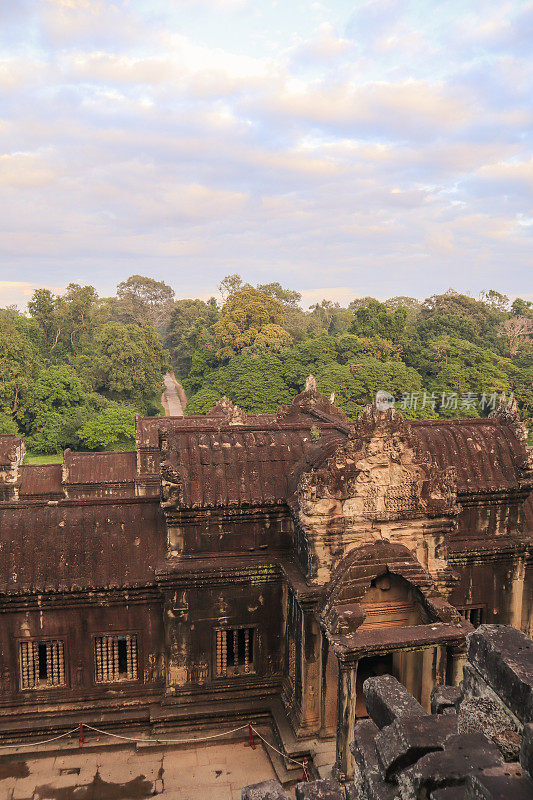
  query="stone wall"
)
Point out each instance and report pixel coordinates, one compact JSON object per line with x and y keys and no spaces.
{"x":476,"y":743}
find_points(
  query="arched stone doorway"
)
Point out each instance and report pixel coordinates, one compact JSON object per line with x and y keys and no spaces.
{"x":382,"y":613}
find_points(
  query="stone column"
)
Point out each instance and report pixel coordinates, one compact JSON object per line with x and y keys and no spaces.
{"x":345,"y":719}
{"x":456,"y":662}
{"x":329,"y":689}
{"x":311,"y":673}
{"x":517,"y":595}
{"x":428,"y":658}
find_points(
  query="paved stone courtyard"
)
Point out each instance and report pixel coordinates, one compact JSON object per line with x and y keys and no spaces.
{"x":215,"y":772}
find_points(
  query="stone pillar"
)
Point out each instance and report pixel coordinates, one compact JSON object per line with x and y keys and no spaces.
{"x":456,"y":662}
{"x":428,"y":658}
{"x":411,"y":673}
{"x":329,"y":687}
{"x":517,"y":595}
{"x":346,"y":719}
{"x":311,"y":674}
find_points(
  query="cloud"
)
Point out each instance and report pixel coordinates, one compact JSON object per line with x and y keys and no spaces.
{"x":389,"y":147}
{"x":18,"y":293}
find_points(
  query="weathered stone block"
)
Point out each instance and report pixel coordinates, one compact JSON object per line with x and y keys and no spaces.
{"x":353,"y":792}
{"x":407,"y":739}
{"x":386,"y":700}
{"x":319,"y":790}
{"x":266,"y":790}
{"x":369,"y":778}
{"x":504,"y":658}
{"x":444,"y":698}
{"x":498,"y":784}
{"x":448,"y":793}
{"x":462,"y":755}
{"x":487,"y":716}
{"x":526,"y":751}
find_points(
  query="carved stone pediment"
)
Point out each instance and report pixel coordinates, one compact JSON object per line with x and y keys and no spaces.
{"x":227,"y":412}
{"x":375,"y":485}
{"x":378,"y":474}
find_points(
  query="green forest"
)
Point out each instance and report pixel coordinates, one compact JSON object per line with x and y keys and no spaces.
{"x":76,"y":368}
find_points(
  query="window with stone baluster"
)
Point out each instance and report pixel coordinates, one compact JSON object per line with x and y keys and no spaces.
{"x":42,"y":663}
{"x":115,"y":658}
{"x":235,"y":651}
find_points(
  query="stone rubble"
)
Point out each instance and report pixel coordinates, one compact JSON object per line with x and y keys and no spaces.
{"x":477,"y":744}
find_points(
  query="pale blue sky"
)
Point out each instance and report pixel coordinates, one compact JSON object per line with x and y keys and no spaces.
{"x":342,"y":148}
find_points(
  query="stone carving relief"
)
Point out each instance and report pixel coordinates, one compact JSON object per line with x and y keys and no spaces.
{"x":377,"y":484}
{"x":171,"y":486}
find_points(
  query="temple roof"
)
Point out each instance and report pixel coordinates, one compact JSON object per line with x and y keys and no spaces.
{"x":79,"y":545}
{"x":486,"y":453}
{"x":88,"y":468}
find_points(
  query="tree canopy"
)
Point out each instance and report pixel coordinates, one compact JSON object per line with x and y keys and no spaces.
{"x":76,"y":368}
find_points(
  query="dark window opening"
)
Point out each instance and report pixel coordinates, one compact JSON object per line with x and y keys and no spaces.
{"x":122,"y":655}
{"x":235,"y":651}
{"x":368,"y":668}
{"x":43,"y":668}
{"x":116,"y":658}
{"x":473,"y":614}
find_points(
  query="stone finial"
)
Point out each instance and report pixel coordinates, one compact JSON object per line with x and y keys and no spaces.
{"x":310,"y":384}
{"x":227,"y":411}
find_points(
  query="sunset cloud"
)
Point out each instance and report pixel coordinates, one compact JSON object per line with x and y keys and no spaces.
{"x":386,"y":144}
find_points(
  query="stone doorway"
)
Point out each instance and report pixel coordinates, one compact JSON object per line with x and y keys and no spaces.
{"x":368,"y":668}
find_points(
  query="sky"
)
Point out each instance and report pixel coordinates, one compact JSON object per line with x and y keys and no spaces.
{"x":344,"y":149}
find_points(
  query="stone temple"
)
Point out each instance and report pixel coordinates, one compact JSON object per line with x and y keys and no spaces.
{"x":260,"y":566}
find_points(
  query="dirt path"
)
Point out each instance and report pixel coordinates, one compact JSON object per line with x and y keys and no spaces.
{"x":174,"y":398}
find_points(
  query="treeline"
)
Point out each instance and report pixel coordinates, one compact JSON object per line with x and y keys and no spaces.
{"x":448,"y":356}
{"x":76,"y":368}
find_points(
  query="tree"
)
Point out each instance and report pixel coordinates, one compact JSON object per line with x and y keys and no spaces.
{"x":253,"y":381}
{"x":65,"y":320}
{"x":356,"y":385}
{"x":144,"y":301}
{"x":42,"y":308}
{"x":126,"y":364}
{"x":307,"y":357}
{"x":287,"y":297}
{"x":189,"y":328}
{"x":49,"y":407}
{"x":249,"y":318}
{"x":229,"y":285}
{"x":495,"y":300}
{"x":110,"y":426}
{"x":7,"y":424}
{"x":375,"y":319}
{"x":411,"y":304}
{"x":18,"y":360}
{"x":522,"y":308}
{"x":516,"y":328}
